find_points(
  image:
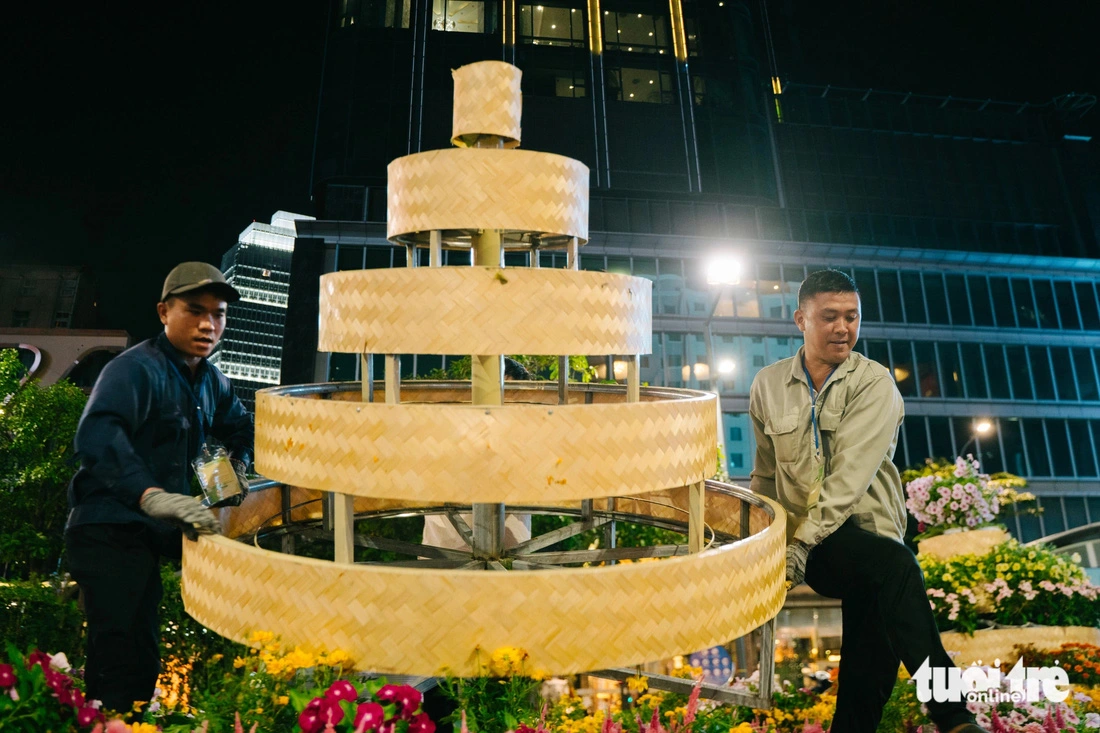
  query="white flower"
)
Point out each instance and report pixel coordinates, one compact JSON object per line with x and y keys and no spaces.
{"x":1092,"y":720}
{"x":14,"y":694}
{"x":60,"y":662}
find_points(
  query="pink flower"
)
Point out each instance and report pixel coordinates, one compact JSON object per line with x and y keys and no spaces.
{"x":342,"y":690}
{"x":404,"y":695}
{"x":7,"y":675}
{"x":87,"y":715}
{"x":369,"y":716}
{"x":421,"y":723}
{"x":117,"y":726}
{"x":40,"y":658}
{"x":319,"y":712}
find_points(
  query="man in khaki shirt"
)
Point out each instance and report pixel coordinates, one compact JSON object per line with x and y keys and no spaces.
{"x":826,"y":425}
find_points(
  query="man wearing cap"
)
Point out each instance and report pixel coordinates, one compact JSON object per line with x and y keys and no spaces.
{"x":150,"y":411}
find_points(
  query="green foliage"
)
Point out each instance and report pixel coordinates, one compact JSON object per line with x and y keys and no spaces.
{"x":1011,"y":585}
{"x":37,"y":426}
{"x":493,"y":704}
{"x":541,"y":368}
{"x":41,"y":614}
{"x":627,"y":534}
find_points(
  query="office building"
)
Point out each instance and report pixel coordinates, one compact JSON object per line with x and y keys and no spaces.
{"x":970,"y":226}
{"x":258,"y":266}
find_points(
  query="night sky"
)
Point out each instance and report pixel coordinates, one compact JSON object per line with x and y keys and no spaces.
{"x":133,"y":136}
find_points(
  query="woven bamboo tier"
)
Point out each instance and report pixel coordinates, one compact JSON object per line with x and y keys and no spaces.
{"x":531,"y":198}
{"x":425,"y":622}
{"x":987,"y":645}
{"x":485,"y":310}
{"x":488,"y":104}
{"x":967,"y":542}
{"x":513,"y":453}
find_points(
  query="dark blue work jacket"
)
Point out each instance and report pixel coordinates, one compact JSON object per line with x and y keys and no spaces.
{"x":141,"y":428}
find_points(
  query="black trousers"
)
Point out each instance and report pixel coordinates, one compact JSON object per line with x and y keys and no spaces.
{"x":117,"y":567}
{"x":886,"y":620}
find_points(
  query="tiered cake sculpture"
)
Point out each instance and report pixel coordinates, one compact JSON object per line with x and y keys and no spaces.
{"x":453,"y":450}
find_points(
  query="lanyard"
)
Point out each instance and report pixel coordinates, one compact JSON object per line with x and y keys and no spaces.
{"x":198,"y":406}
{"x":813,"y":401}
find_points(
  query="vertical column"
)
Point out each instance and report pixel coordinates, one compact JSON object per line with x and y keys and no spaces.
{"x":602,"y":172}
{"x":435,"y":249}
{"x":487,"y":386}
{"x":508,"y":21}
{"x":686,"y":94}
{"x":696,"y":516}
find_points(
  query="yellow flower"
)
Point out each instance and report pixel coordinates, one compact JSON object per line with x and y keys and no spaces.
{"x":261,"y":637}
{"x":637,"y":684}
{"x":238,"y":663}
{"x":507,"y":661}
{"x":743,"y":728}
{"x":143,"y":728}
{"x":216,"y":658}
{"x":282,"y":700}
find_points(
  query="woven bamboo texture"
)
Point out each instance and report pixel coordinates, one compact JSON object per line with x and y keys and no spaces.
{"x":264,"y":508}
{"x":969,"y":542}
{"x":424,"y":622}
{"x":474,"y":189}
{"x":484,"y":310}
{"x":987,"y":645}
{"x":514,"y":453}
{"x":487,"y":103}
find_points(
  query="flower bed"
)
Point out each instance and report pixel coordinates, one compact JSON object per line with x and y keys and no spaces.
{"x":1010,"y":585}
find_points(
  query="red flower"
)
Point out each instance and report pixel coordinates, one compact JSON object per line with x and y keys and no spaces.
{"x":40,"y":658}
{"x":319,"y":712}
{"x":407,"y":697}
{"x":342,"y":690}
{"x":372,"y":713}
{"x":7,"y":675}
{"x":58,"y":682}
{"x":421,"y":723}
{"x":87,"y":715}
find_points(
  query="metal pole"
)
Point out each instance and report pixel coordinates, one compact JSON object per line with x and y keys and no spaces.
{"x":487,"y":388}
{"x":435,"y":249}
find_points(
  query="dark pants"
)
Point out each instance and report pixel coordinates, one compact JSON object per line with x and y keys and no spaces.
{"x":886,"y":620}
{"x":118,"y":570}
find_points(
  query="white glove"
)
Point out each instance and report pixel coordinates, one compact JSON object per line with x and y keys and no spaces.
{"x":181,"y":510}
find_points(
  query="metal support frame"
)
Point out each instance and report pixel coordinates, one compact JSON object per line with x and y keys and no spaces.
{"x":718,"y":693}
{"x":487,"y":388}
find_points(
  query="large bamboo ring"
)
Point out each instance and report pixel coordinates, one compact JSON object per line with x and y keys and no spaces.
{"x":513,"y":453}
{"x":429,"y":622}
{"x":531,"y":198}
{"x":484,"y":310}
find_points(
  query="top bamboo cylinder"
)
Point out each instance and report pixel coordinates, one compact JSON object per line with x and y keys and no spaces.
{"x":488,"y":105}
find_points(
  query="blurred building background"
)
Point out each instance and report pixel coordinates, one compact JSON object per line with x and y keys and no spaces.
{"x":258,"y":266}
{"x":970,"y":225}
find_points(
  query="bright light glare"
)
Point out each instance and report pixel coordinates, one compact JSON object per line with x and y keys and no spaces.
{"x":724,"y":270}
{"x":702,"y":371}
{"x":726,"y":366}
{"x":982,"y":427}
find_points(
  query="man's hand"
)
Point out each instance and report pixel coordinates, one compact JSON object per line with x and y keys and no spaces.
{"x":797,"y":553}
{"x":180,"y":510}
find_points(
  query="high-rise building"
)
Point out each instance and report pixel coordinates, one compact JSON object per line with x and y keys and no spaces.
{"x":970,"y":226}
{"x":258,"y":266}
{"x":46,"y":296}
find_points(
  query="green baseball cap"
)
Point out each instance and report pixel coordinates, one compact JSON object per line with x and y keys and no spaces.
{"x":189,"y":276}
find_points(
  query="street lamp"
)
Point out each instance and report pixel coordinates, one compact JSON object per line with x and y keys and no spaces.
{"x":980,"y":427}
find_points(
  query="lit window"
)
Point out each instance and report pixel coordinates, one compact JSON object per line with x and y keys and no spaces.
{"x":636,"y":33}
{"x":460,"y":16}
{"x":546,"y":25}
{"x":639,"y":85}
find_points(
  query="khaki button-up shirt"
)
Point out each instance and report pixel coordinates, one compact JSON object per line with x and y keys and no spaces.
{"x":840,"y":467}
